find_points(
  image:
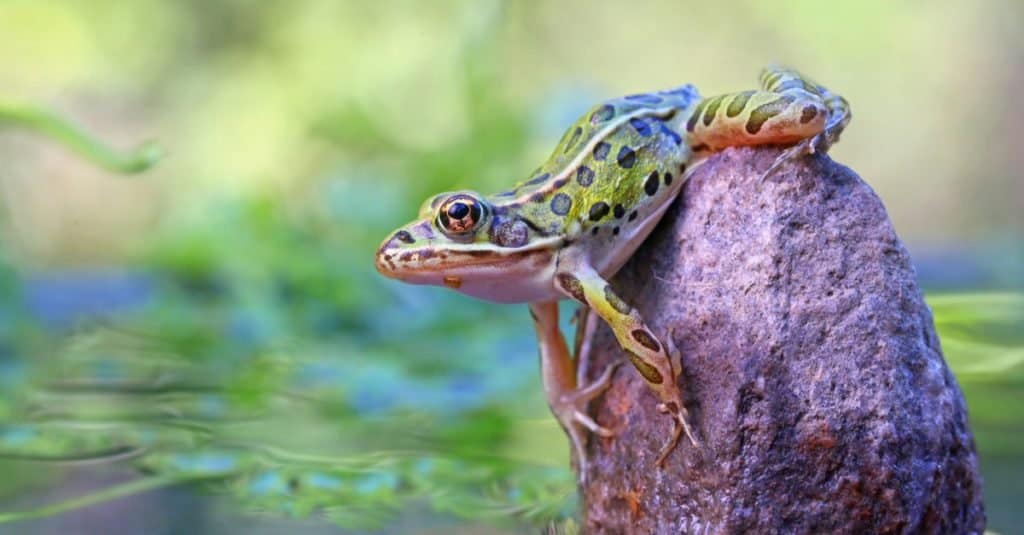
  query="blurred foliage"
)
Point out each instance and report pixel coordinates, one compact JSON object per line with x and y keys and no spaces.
{"x":983,"y":341}
{"x":352,"y":421}
{"x":239,"y":339}
{"x":256,"y":376}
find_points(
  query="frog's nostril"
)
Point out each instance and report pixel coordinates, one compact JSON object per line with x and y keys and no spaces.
{"x":403,"y":236}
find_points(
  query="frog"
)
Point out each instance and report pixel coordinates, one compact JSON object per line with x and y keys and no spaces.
{"x":567,"y":228}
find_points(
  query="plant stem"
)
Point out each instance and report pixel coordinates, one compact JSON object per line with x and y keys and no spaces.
{"x":79,"y":141}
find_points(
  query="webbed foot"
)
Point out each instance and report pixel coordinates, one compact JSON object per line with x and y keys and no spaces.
{"x":570,"y":409}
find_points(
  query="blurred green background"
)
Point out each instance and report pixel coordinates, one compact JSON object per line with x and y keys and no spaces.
{"x":207,"y":347}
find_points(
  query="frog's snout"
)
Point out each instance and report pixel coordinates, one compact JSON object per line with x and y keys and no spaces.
{"x":387,"y":255}
{"x":406,"y":251}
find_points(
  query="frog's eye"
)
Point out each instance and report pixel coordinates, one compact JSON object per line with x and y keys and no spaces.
{"x":460,"y":214}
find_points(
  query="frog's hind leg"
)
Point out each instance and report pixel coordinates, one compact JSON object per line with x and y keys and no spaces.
{"x":789,"y":108}
{"x":567,"y":401}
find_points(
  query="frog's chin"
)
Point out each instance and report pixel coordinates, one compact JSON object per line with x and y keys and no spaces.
{"x":521,"y":282}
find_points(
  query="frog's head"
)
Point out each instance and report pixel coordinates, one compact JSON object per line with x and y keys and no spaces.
{"x":462,"y":241}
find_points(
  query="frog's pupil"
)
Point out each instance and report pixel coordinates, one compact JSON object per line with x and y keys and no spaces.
{"x":458,"y":210}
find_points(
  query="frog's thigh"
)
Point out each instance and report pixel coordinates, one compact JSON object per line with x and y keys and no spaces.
{"x":757,"y":118}
{"x":648,"y":355}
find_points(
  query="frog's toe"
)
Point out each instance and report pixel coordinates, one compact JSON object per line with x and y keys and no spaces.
{"x":805,"y":147}
{"x":577,"y":423}
{"x":578,"y":439}
{"x":586,"y":394}
{"x":669,"y":447}
{"x":571,"y":410}
{"x":586,"y":421}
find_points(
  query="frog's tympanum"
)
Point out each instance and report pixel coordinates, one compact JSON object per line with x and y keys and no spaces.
{"x":566,"y":229}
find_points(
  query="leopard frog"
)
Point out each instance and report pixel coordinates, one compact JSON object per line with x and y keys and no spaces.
{"x":566,"y":229}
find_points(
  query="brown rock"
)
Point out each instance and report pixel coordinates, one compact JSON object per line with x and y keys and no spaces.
{"x":812,"y":369}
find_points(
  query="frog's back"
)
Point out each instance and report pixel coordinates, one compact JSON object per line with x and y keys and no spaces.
{"x":596,"y":174}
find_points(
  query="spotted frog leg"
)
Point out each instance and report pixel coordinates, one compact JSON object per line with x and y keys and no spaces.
{"x":789,"y":108}
{"x":657,"y":362}
{"x":559,"y":372}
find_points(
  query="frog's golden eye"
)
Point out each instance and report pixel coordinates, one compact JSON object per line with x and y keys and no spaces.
{"x":460,"y":214}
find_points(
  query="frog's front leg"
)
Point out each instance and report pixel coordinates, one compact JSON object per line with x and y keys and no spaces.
{"x":567,"y":401}
{"x":658,"y":362}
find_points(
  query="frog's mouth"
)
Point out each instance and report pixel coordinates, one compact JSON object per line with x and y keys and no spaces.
{"x":430,"y":265}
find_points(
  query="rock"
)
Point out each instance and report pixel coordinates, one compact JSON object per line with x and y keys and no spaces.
{"x":812,"y":370}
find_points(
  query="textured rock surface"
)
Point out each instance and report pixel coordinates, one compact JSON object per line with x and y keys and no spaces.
{"x":812,"y":369}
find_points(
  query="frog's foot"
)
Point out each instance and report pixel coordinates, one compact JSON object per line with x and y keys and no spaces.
{"x":570,"y":409}
{"x":803,"y":148}
{"x":680,"y":426}
{"x":680,"y":422}
{"x":819,"y":143}
{"x":838,"y":118}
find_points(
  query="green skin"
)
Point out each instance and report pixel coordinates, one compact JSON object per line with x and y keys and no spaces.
{"x":570,"y":226}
